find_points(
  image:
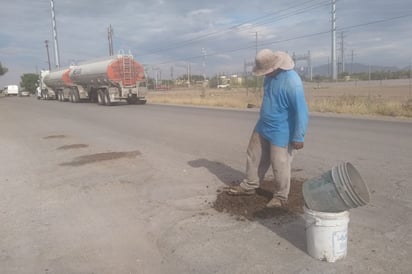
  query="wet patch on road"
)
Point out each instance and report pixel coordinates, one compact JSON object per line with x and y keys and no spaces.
{"x":254,"y":206}
{"x":55,"y":137}
{"x":73,"y":146}
{"x":99,"y":157}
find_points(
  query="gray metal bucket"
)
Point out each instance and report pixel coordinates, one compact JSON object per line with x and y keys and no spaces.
{"x":337,"y":190}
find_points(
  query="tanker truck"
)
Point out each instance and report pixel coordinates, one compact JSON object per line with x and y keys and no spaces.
{"x":105,"y":81}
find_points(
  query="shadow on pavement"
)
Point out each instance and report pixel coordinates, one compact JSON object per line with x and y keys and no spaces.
{"x":224,"y":173}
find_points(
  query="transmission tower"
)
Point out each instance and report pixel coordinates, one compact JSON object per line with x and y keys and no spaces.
{"x":54,"y":30}
{"x":306,"y":58}
{"x":333,"y":30}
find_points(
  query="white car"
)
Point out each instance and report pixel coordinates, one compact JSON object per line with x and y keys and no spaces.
{"x":24,"y":93}
{"x":223,"y":86}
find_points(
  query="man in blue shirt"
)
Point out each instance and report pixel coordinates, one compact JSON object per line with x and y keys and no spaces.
{"x":281,"y":127}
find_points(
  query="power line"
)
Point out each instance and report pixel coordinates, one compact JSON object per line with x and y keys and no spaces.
{"x":278,"y":16}
{"x":247,"y":47}
{"x":375,"y":22}
{"x":284,"y":40}
{"x":294,"y":13}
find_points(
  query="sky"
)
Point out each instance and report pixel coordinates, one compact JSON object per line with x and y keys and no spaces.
{"x":214,"y":36}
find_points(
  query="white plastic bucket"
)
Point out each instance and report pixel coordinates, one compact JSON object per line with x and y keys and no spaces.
{"x":326,"y":234}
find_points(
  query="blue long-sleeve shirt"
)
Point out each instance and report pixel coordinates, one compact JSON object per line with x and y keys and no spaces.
{"x":284,"y":113}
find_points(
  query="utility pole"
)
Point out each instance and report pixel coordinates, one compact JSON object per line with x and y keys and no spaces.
{"x":342,"y":52}
{"x":203,"y":89}
{"x":157,"y":70}
{"x":310,"y":66}
{"x":54,"y":30}
{"x":256,"y":51}
{"x":329,"y":73}
{"x":48,"y":55}
{"x":351,"y":63}
{"x":188,"y":75}
{"x":245,"y":77}
{"x":110,"y":38}
{"x":246,"y":65}
{"x":333,"y":30}
{"x":410,"y":79}
{"x":369,"y":73}
{"x":256,"y":42}
{"x":204,"y":64}
{"x":369,"y":81}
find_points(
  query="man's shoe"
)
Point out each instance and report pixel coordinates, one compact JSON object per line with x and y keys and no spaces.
{"x":238,"y":191}
{"x":276,"y":203}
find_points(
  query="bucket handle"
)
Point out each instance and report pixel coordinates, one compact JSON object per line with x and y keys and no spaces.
{"x":316,"y":221}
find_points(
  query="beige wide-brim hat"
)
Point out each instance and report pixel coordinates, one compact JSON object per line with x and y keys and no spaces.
{"x":268,"y":61}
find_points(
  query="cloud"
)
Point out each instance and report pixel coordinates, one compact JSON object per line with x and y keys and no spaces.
{"x":168,"y":33}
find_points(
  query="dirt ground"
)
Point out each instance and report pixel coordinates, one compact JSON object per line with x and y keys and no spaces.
{"x":254,"y":206}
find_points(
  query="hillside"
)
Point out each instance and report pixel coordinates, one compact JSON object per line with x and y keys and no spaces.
{"x":324,"y":70}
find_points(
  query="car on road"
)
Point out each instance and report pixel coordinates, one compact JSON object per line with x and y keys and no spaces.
{"x":24,"y":93}
{"x":223,"y":86}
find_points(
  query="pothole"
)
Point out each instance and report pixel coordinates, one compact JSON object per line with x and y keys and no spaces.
{"x":254,"y":206}
{"x":55,"y":137}
{"x":73,"y":146}
{"x":99,"y":157}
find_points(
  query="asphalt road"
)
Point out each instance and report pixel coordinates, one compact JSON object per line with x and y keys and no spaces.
{"x":127,"y":189}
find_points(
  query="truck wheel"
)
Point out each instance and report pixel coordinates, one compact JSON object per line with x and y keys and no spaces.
{"x":76,"y":96}
{"x":101,"y":98}
{"x":107,"y":98}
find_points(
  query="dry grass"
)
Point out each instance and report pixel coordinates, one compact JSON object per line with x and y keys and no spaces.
{"x":210,"y":97}
{"x":361,"y":106}
{"x":391,"y":98}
